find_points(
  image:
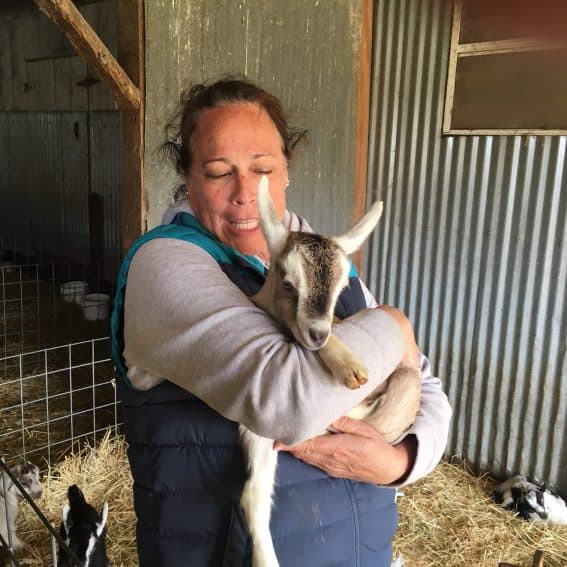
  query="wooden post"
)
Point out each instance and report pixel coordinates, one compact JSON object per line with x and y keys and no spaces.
{"x":131,"y":57}
{"x":91,"y":48}
{"x":363,"y":118}
{"x":126,"y":84}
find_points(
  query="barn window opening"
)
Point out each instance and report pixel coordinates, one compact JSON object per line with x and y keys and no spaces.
{"x":507,"y":68}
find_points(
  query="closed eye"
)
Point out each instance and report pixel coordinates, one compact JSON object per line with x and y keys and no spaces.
{"x":288,"y":286}
{"x":218,"y":175}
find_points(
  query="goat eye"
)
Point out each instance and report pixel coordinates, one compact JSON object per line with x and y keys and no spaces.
{"x":288,"y":286}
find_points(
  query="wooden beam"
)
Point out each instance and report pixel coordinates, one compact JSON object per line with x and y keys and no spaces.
{"x":452,"y":71}
{"x":90,"y":47}
{"x":520,"y":45}
{"x":131,"y":57}
{"x":363,"y":117}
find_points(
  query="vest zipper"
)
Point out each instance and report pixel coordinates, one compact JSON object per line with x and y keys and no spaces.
{"x":355,"y":520}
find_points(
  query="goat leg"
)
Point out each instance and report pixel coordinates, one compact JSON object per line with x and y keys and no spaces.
{"x":343,"y":363}
{"x":256,"y":498}
{"x":397,"y":405}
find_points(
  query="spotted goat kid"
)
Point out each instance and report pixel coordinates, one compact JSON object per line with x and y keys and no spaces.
{"x":531,"y":501}
{"x":83,"y":530}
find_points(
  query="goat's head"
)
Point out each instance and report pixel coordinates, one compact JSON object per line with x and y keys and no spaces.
{"x":308,"y":271}
{"x":83,"y":530}
{"x":28,"y":476}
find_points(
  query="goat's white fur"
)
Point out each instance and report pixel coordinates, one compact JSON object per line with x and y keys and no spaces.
{"x":94,"y":538}
{"x":390,"y":409}
{"x":10,"y":496}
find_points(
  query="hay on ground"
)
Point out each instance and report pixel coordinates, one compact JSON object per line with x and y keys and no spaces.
{"x":102,"y":473}
{"x":447,"y":519}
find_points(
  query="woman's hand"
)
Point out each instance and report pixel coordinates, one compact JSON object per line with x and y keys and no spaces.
{"x":358,"y":452}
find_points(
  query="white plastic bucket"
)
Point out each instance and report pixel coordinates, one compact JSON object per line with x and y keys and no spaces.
{"x":95,"y":306}
{"x":73,"y":292}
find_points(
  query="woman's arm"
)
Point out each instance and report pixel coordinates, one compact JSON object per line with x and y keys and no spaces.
{"x":358,"y":452}
{"x":185,"y":321}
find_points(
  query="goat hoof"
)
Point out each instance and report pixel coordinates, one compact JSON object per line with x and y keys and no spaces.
{"x":356,"y":380}
{"x":352,"y":383}
{"x":362,"y":379}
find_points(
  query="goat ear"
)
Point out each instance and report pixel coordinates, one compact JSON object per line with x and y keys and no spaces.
{"x":103,"y":517}
{"x":352,"y":240}
{"x":274,"y":231}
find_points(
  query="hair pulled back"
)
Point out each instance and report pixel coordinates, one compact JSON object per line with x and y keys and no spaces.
{"x":177,"y":147}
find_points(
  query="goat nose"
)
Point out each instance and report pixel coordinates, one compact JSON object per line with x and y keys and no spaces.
{"x":317,"y":337}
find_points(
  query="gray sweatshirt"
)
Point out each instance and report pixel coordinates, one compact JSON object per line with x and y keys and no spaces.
{"x":184,"y":320}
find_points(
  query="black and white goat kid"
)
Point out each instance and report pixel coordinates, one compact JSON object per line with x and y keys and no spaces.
{"x":307,"y":274}
{"x":27,"y":475}
{"x":531,"y":501}
{"x":83,"y":530}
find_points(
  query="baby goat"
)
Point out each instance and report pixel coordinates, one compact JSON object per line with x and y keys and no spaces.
{"x":83,"y":530}
{"x":531,"y":500}
{"x":27,"y":475}
{"x":307,"y":274}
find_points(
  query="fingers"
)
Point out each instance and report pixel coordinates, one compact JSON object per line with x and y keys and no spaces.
{"x":356,"y":426}
{"x":307,"y":447}
{"x":320,"y":452}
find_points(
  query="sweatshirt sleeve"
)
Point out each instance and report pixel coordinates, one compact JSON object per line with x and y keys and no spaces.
{"x":186,"y":322}
{"x":431,"y":426}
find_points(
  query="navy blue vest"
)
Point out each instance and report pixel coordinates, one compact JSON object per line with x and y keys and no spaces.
{"x":188,"y":468}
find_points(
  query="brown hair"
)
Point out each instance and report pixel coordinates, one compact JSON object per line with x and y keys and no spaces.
{"x":199,"y":97}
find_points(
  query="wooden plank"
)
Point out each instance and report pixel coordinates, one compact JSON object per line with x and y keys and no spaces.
{"x":508,"y":46}
{"x":90,"y":47}
{"x":363,"y":118}
{"x":504,"y":132}
{"x":131,"y":56}
{"x":452,"y":70}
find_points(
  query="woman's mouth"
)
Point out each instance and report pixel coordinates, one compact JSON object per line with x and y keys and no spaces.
{"x":244,"y":225}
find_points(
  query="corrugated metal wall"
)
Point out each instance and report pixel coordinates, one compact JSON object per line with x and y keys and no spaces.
{"x":59,"y":144}
{"x":45,"y":187}
{"x":105,"y":189}
{"x":472,"y":246}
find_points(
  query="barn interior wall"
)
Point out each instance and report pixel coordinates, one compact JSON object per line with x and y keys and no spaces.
{"x":59,"y":131}
{"x":304,"y":52}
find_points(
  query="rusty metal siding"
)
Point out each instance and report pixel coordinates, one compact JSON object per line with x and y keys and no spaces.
{"x":304,"y":52}
{"x":472,"y":246}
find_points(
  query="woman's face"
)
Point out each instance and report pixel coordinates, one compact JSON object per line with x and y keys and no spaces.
{"x":233,"y":146}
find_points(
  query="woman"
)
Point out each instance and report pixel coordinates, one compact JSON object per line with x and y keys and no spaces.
{"x":197,"y":356}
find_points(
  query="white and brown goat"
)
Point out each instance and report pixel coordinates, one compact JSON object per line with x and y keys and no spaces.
{"x":307,"y":274}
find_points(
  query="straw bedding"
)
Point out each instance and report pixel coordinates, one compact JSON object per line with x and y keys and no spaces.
{"x":447,"y":519}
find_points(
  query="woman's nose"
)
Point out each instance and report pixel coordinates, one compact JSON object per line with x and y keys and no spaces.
{"x":244,"y":190}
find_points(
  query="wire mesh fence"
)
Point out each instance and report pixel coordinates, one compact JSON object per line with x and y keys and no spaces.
{"x":53,"y":399}
{"x":43,"y":305}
